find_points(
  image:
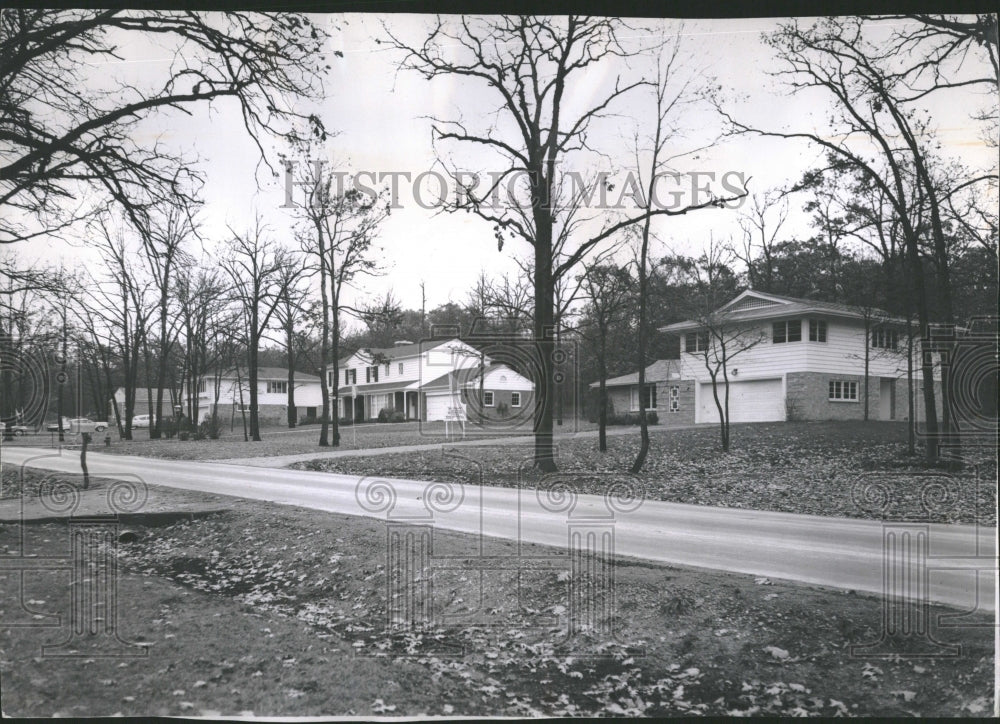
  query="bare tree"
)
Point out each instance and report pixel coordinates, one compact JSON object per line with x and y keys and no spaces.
{"x":201,"y":298}
{"x":122,"y":299}
{"x":720,"y":336}
{"x":871,"y":102}
{"x":531,"y":66}
{"x":255,"y":265}
{"x":609,"y":290}
{"x":337,"y":229}
{"x":761,"y":225}
{"x":64,"y":128}
{"x":163,"y":244}
{"x":290,"y":316}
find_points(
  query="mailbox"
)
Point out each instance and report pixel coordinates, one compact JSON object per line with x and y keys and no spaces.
{"x":78,"y":426}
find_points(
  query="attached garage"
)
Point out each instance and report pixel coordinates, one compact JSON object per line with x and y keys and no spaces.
{"x":437,"y":405}
{"x":749,"y":401}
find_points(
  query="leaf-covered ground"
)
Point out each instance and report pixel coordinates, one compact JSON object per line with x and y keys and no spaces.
{"x":283,"y":611}
{"x":275,"y":441}
{"x":844,"y":469}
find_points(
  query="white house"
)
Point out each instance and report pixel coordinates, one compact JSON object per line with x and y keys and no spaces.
{"x":802,"y":360}
{"x":272,"y":394}
{"x":425,"y":381}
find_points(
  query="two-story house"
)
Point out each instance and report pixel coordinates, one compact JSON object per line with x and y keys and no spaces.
{"x":426,"y":381}
{"x":798,"y":359}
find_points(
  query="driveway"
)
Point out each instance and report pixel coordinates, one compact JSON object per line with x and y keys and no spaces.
{"x":837,"y":552}
{"x":283,"y":461}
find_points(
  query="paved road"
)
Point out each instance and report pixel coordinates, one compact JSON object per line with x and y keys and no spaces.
{"x":837,"y":552}
{"x":282,"y":461}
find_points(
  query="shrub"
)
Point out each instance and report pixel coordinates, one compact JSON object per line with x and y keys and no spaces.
{"x":385,"y":414}
{"x":398,"y":416}
{"x":502,"y":409}
{"x":792,"y":412}
{"x":345,"y":421}
{"x":183,"y":435}
{"x":210,"y":428}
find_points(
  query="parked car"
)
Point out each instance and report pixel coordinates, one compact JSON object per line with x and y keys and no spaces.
{"x":98,"y":426}
{"x":17,"y":430}
{"x":143,"y":421}
{"x":66,"y":422}
{"x":54,"y":426}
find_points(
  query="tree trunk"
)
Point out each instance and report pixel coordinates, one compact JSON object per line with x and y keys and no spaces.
{"x":292,"y":412}
{"x":83,"y":459}
{"x":335,"y":419}
{"x":640,"y":459}
{"x":252,"y":382}
{"x":868,"y":347}
{"x":602,"y":398}
{"x":243,"y":407}
{"x":543,"y":328}
{"x":911,"y":426}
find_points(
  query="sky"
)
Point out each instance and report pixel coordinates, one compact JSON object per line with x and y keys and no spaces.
{"x":379,"y":115}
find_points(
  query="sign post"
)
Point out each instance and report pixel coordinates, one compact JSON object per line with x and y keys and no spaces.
{"x":84,"y":429}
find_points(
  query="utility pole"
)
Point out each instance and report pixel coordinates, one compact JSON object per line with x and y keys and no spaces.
{"x":423,"y":309}
{"x":64,"y":379}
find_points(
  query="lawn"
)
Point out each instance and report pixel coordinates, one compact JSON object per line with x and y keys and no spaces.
{"x":281,"y":611}
{"x":275,"y":441}
{"x":821,"y":468}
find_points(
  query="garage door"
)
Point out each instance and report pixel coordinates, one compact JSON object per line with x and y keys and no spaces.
{"x":438,"y":405}
{"x":749,"y":401}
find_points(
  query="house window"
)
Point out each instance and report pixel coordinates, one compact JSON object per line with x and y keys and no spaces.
{"x":843,"y":391}
{"x":488,"y":398}
{"x":674,"y":399}
{"x":790,"y":331}
{"x":885,"y":338}
{"x":817,"y":330}
{"x":648,"y":397}
{"x":203,"y":386}
{"x":695,"y":342}
{"x":386,"y":369}
{"x":515,"y":399}
{"x":350,"y":377}
{"x":276,"y":387}
{"x":400,"y":368}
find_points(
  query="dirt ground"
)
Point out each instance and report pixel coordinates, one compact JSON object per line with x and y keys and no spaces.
{"x":284,"y":611}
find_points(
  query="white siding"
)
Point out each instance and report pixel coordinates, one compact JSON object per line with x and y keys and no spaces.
{"x":765,"y":359}
{"x":512,"y":381}
{"x":842,"y":353}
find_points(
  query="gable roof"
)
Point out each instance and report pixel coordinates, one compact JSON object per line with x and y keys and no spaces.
{"x":751,"y":305}
{"x":466,"y":377}
{"x":265,"y":373}
{"x":398,"y":352}
{"x":659,"y":371}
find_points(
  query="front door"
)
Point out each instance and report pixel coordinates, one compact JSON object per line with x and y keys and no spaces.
{"x":887,"y":399}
